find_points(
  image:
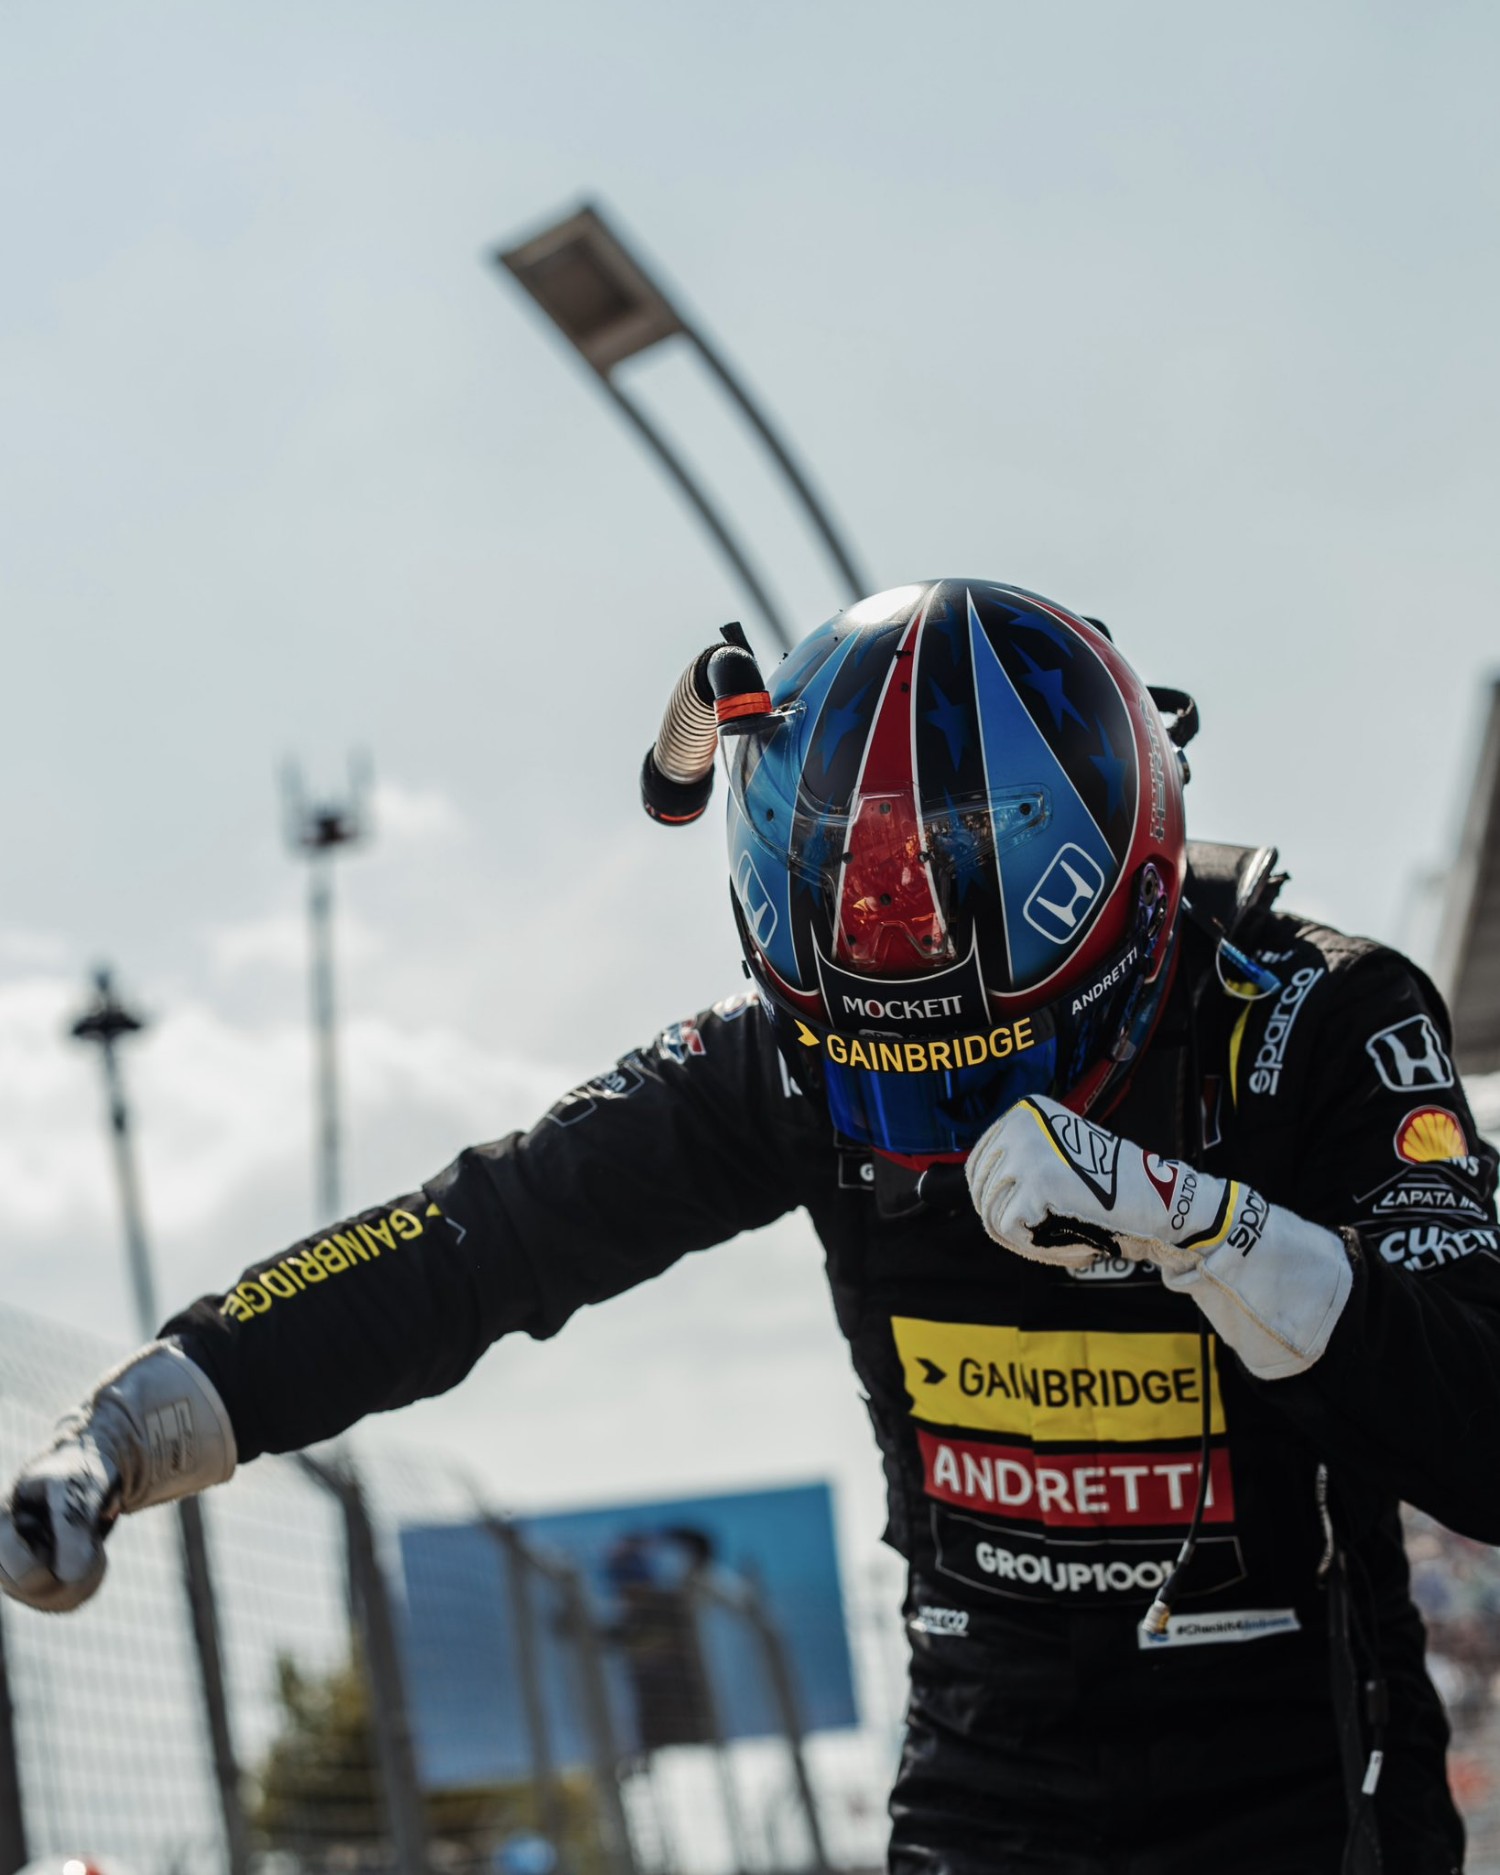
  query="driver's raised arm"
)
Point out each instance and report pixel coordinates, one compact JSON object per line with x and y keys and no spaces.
{"x":678,"y":1147}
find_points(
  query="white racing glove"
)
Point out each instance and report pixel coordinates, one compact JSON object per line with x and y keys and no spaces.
{"x":153,"y":1429}
{"x":1051,"y":1185}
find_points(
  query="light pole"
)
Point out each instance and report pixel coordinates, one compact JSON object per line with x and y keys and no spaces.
{"x":317,"y":830}
{"x":105,"y":1024}
{"x":601,"y":298}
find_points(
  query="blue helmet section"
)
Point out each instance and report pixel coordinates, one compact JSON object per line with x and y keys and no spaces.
{"x":1051,"y":887}
{"x":965,"y":789}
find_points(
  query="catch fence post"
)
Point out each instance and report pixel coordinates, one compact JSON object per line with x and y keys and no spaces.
{"x":203,"y":1608}
{"x":784,"y":1692}
{"x":619,"y":1851}
{"x":517,"y":1565}
{"x":701,"y":1595}
{"x":13,"y":1852}
{"x":390,"y":1718}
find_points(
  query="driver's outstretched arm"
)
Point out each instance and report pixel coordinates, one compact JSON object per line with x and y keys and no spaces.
{"x":678,"y":1147}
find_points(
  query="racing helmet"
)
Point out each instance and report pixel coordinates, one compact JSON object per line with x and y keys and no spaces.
{"x":957,"y":859}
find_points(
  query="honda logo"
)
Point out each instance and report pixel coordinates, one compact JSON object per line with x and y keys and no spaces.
{"x":760,"y":913}
{"x":1064,"y":896}
{"x":1409,"y":1056}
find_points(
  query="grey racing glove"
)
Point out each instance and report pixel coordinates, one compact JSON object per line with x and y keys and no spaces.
{"x":1053,"y":1186}
{"x":153,"y":1429}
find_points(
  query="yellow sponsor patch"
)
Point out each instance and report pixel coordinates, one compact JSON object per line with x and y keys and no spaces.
{"x":1056,"y":1385}
{"x":1431,"y":1136}
{"x":947,"y":1055}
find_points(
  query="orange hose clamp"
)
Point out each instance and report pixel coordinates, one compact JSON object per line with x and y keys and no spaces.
{"x":748,"y":703}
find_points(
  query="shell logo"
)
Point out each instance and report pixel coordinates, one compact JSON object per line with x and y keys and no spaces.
{"x":1430,"y":1135}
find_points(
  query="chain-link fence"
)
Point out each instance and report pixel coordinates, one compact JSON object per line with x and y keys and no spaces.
{"x":416,"y":1686}
{"x":397,"y":1705}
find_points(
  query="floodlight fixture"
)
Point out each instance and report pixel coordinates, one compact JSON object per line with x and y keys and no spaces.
{"x":601,"y":298}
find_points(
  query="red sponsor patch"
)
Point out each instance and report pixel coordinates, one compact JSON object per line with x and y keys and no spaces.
{"x":1107,"y":1489}
{"x":1163,"y":1175}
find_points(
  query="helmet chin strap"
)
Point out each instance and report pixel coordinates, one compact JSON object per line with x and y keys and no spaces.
{"x":919,"y":1161}
{"x":1081,"y":1099}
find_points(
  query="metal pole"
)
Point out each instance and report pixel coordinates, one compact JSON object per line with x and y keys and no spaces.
{"x":325,"y":1034}
{"x":517,"y":1566}
{"x":389,"y":1715}
{"x":317,"y":830}
{"x":604,"y":301}
{"x":708,"y":514}
{"x":104,"y":1024}
{"x":13,"y":1852}
{"x":619,"y":1853}
{"x":818,"y":515}
{"x":203,"y":1606}
{"x":698,"y":1596}
{"x":784,"y":1692}
{"x":137,"y":1253}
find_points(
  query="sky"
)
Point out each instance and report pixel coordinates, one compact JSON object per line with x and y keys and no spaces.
{"x":1183,"y":316}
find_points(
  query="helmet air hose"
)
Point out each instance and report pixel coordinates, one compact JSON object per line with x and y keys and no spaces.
{"x":721,"y":693}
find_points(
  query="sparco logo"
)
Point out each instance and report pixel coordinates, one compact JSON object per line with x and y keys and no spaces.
{"x":1409,"y":1056}
{"x":930,"y":1620}
{"x":1062,"y":898}
{"x":1250,"y":1223}
{"x":1270,"y":1057}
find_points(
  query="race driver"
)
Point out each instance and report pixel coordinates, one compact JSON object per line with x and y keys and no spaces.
{"x":1155,"y":1219}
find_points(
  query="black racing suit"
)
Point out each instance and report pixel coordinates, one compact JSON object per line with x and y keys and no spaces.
{"x":1040,"y":1430}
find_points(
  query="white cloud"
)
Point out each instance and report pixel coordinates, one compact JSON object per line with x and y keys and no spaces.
{"x":21,"y":949}
{"x":51,"y":1109}
{"x":221,"y":1111}
{"x":279,"y":941}
{"x":415,"y":815}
